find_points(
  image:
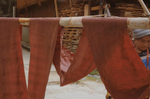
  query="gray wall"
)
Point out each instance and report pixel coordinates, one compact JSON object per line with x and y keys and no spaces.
{"x":25,"y":35}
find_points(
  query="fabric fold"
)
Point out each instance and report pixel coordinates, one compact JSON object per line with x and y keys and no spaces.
{"x":104,"y":44}
{"x":12,"y":78}
{"x":46,"y":47}
{"x":73,"y":67}
{"x":120,"y":67}
{"x":43,"y":36}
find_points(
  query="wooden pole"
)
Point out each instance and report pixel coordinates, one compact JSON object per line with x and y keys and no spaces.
{"x":70,"y":3}
{"x":101,"y":7}
{"x":86,"y":10}
{"x":144,"y":7}
{"x":133,"y":23}
{"x":56,"y":8}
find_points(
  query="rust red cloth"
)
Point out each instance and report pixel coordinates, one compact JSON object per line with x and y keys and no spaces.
{"x":105,"y":44}
{"x":12,"y":78}
{"x":145,"y":94}
{"x":43,"y":36}
{"x":73,"y":67}
{"x":119,"y":65}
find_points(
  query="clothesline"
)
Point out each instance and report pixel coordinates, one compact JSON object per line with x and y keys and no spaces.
{"x":133,"y":23}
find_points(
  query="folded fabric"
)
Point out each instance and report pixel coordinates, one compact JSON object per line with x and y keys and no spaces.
{"x":105,"y":44}
{"x":73,"y":67}
{"x":46,"y":46}
{"x":119,"y":65}
{"x":12,"y":78}
{"x":43,"y":36}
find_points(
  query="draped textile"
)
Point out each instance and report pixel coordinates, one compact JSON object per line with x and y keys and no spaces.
{"x":12,"y":78}
{"x":120,"y":67}
{"x":43,"y":36}
{"x":104,"y":44}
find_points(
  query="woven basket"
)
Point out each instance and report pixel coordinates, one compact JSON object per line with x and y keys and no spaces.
{"x":71,"y":37}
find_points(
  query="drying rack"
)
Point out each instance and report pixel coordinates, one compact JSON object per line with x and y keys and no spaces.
{"x":133,"y":23}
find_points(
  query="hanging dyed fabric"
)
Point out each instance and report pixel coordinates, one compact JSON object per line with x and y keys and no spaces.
{"x":105,"y":44}
{"x":12,"y":78}
{"x":73,"y":67}
{"x":45,"y":43}
{"x":119,"y":65}
{"x":43,"y":36}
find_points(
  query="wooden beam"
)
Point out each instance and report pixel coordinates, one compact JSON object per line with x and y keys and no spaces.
{"x":70,"y":3}
{"x":56,"y":8}
{"x":86,"y":10}
{"x":101,"y":7}
{"x":97,"y":7}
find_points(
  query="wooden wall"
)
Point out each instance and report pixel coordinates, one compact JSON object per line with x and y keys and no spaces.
{"x":24,"y":3}
{"x":47,"y":9}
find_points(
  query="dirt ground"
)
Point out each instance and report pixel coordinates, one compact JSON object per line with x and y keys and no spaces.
{"x":86,"y":88}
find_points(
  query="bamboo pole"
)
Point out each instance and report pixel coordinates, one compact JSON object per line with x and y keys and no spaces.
{"x":138,"y":23}
{"x":144,"y":7}
{"x":14,"y":11}
{"x":133,"y":23}
{"x":71,"y":22}
{"x":106,"y":11}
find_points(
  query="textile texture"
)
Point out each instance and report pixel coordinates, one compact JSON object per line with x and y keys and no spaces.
{"x":43,"y":36}
{"x":46,"y":47}
{"x":12,"y":78}
{"x":73,"y":67}
{"x":120,"y":67}
{"x":104,"y":44}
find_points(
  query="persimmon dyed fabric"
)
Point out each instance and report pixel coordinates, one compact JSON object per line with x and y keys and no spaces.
{"x":43,"y":36}
{"x":104,"y":44}
{"x":119,"y":65}
{"x":12,"y":78}
{"x":73,"y":67}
